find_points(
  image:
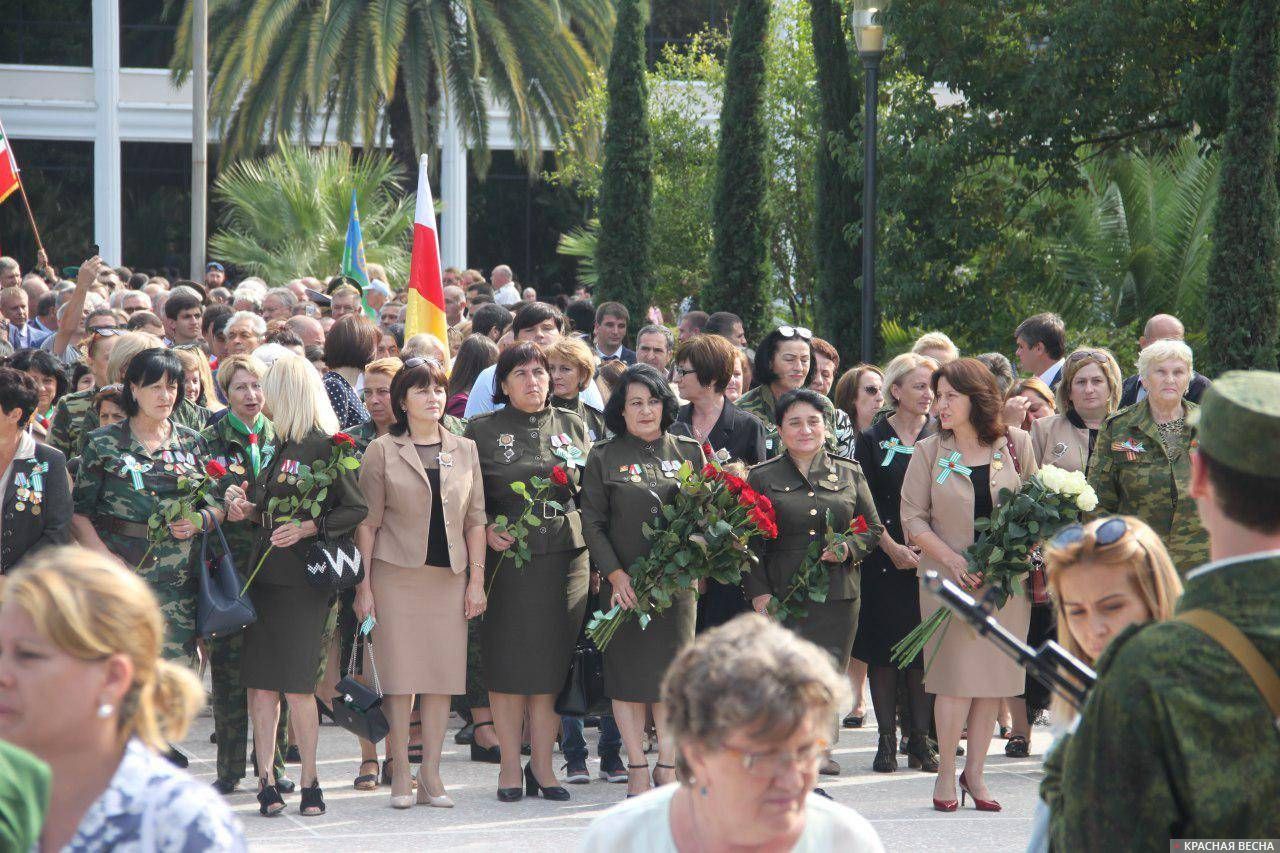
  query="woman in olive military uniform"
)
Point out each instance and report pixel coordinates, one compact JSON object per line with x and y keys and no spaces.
{"x":627,"y":480}
{"x":1141,"y":463}
{"x":572,"y":366}
{"x":535,"y":611}
{"x":805,"y":483}
{"x":128,"y":471}
{"x":283,"y":649}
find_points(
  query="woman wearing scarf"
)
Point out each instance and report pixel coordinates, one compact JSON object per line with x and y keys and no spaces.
{"x":242,"y":441}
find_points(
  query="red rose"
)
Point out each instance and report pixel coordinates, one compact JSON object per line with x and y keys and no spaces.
{"x":858,"y":525}
{"x":706,"y":448}
{"x":734,"y":483}
{"x":559,"y":477}
{"x":341,"y":439}
{"x":747,"y":497}
{"x":215,"y":469}
{"x":764,"y":503}
{"x":710,"y":472}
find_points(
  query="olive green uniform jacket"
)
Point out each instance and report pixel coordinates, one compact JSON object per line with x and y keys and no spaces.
{"x":1133,"y":475}
{"x":1175,"y":740}
{"x":105,"y":489}
{"x":591,"y":416}
{"x":625,"y":484}
{"x":800,"y":503}
{"x":535,"y":612}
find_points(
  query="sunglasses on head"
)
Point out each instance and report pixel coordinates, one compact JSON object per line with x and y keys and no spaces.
{"x":107,"y":331}
{"x":418,"y":361}
{"x":801,"y":332}
{"x":1088,"y":355}
{"x":1107,"y":533}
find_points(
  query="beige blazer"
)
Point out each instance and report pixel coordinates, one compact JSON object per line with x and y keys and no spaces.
{"x":963,"y":664}
{"x":1060,"y":443}
{"x":396,"y":487}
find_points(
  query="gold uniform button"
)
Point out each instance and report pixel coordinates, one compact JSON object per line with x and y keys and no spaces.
{"x":813,"y":512}
{"x":813,"y":533}
{"x":811,"y":494}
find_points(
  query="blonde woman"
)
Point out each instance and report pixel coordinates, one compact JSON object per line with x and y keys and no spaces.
{"x":283,"y":649}
{"x":85,"y":690}
{"x":1142,"y":459}
{"x":1088,"y":393}
{"x":1105,"y":575}
{"x":571,"y":365}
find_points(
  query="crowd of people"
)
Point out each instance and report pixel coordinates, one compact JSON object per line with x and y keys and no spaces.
{"x":121,"y":387}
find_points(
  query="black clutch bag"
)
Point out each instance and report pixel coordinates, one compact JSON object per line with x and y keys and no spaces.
{"x":334,"y":564}
{"x":583,"y":691}
{"x":358,"y":708}
{"x":220,"y":608}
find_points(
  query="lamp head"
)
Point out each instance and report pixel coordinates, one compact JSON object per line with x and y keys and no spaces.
{"x":866,"y":19}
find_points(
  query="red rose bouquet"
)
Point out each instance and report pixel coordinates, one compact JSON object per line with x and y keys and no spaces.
{"x":313,"y":485}
{"x":194,"y":487}
{"x":703,"y":534}
{"x":519,"y":528}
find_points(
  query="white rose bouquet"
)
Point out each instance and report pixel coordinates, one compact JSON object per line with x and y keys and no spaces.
{"x":1051,"y":499}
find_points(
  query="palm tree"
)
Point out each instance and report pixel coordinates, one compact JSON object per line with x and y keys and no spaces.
{"x":286,"y":214}
{"x":381,"y":67}
{"x":1140,"y":235}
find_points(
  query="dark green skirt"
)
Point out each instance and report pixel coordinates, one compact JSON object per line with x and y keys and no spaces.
{"x":635,"y":660}
{"x":532,"y":621}
{"x":832,"y":625}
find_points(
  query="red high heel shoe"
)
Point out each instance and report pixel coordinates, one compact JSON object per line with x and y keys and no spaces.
{"x":980,"y":805}
{"x":945,"y":805}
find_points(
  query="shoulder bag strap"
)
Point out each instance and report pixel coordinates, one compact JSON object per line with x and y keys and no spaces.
{"x":1246,"y":653}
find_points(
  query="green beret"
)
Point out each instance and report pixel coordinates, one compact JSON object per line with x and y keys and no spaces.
{"x":1238,"y":423}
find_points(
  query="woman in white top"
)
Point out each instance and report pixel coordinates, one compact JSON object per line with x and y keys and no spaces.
{"x":739,"y":788}
{"x":84,"y":689}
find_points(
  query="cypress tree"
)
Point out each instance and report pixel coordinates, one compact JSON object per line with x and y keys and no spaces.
{"x":1242,"y":294}
{"x":626,"y":187}
{"x":740,"y":250}
{"x":836,"y":301}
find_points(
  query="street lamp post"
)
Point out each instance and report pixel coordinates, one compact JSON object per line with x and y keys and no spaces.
{"x":869,"y":35}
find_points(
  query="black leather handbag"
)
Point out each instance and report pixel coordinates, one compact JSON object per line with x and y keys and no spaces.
{"x":334,"y":563}
{"x":221,"y":610}
{"x":583,"y":691}
{"x":358,"y":708}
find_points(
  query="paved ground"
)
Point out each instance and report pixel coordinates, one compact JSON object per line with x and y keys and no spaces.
{"x":898,"y":804}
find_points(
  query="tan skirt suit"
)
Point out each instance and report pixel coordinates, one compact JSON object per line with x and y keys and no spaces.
{"x":420,"y":640}
{"x":957,"y":661}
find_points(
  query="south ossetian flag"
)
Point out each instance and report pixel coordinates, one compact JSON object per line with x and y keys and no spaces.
{"x":9,"y":172}
{"x":426,"y":283}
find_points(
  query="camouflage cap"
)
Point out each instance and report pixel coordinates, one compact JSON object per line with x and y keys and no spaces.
{"x":1238,"y":422}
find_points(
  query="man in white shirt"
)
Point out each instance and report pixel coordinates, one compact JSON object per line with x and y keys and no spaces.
{"x":1041,"y":346}
{"x":542,"y":324}
{"x":505,"y":292}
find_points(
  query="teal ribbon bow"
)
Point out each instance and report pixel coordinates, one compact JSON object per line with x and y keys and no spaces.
{"x":598,"y":618}
{"x":571,"y":454}
{"x":134,"y":469}
{"x":891,"y":448}
{"x":38,"y":469}
{"x":952,"y":463}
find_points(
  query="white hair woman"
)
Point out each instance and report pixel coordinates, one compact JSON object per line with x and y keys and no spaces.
{"x":282,"y":649}
{"x":1141,"y":461}
{"x":84,"y":689}
{"x":749,"y":705}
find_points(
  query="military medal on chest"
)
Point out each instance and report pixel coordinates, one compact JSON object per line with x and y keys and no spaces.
{"x":29,"y":490}
{"x":636,"y":471}
{"x":445,"y":460}
{"x":135,"y":469}
{"x":670,"y":467}
{"x":289,"y":469}
{"x":507,"y":442}
{"x":1059,"y":450}
{"x":997,"y":461}
{"x":564,"y":447}
{"x":1129,"y":448}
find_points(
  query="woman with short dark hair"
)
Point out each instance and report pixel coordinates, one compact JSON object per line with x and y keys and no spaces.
{"x":785,"y":362}
{"x":627,"y":480}
{"x":128,"y":472}
{"x":34,"y":493}
{"x":423,"y":549}
{"x":534,"y":612}
{"x":51,"y":380}
{"x":954,"y":478}
{"x":348,"y":348}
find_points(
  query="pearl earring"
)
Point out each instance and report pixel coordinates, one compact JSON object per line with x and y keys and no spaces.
{"x":105,"y":710}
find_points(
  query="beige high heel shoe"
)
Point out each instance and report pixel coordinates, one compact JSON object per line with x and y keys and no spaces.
{"x":444,"y":801}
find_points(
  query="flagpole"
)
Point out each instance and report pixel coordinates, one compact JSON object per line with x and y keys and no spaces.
{"x":23,"y":189}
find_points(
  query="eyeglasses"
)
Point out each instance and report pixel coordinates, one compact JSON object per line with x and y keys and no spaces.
{"x":801,"y":332}
{"x":767,"y":765}
{"x":1088,"y":355}
{"x":1108,"y":533}
{"x":682,"y":372}
{"x":871,"y":390}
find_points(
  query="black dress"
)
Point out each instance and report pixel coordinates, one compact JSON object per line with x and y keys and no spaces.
{"x":890,"y":597}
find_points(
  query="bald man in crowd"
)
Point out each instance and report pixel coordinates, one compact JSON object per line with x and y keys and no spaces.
{"x":1161,"y":327}
{"x":308,"y":329}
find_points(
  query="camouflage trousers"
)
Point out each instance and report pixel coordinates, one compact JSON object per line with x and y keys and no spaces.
{"x":231,"y":710}
{"x":168,"y":572}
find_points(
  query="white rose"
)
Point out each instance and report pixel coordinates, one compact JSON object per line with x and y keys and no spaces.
{"x":1078,"y":482}
{"x":1051,"y":477}
{"x":1087,"y":501}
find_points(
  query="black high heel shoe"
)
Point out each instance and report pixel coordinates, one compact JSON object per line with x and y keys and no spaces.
{"x":485,"y":754}
{"x":533,"y":787}
{"x":312,"y":804}
{"x":270,"y":803}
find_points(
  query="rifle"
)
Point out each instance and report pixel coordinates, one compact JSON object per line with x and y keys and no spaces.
{"x":1052,"y":665}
